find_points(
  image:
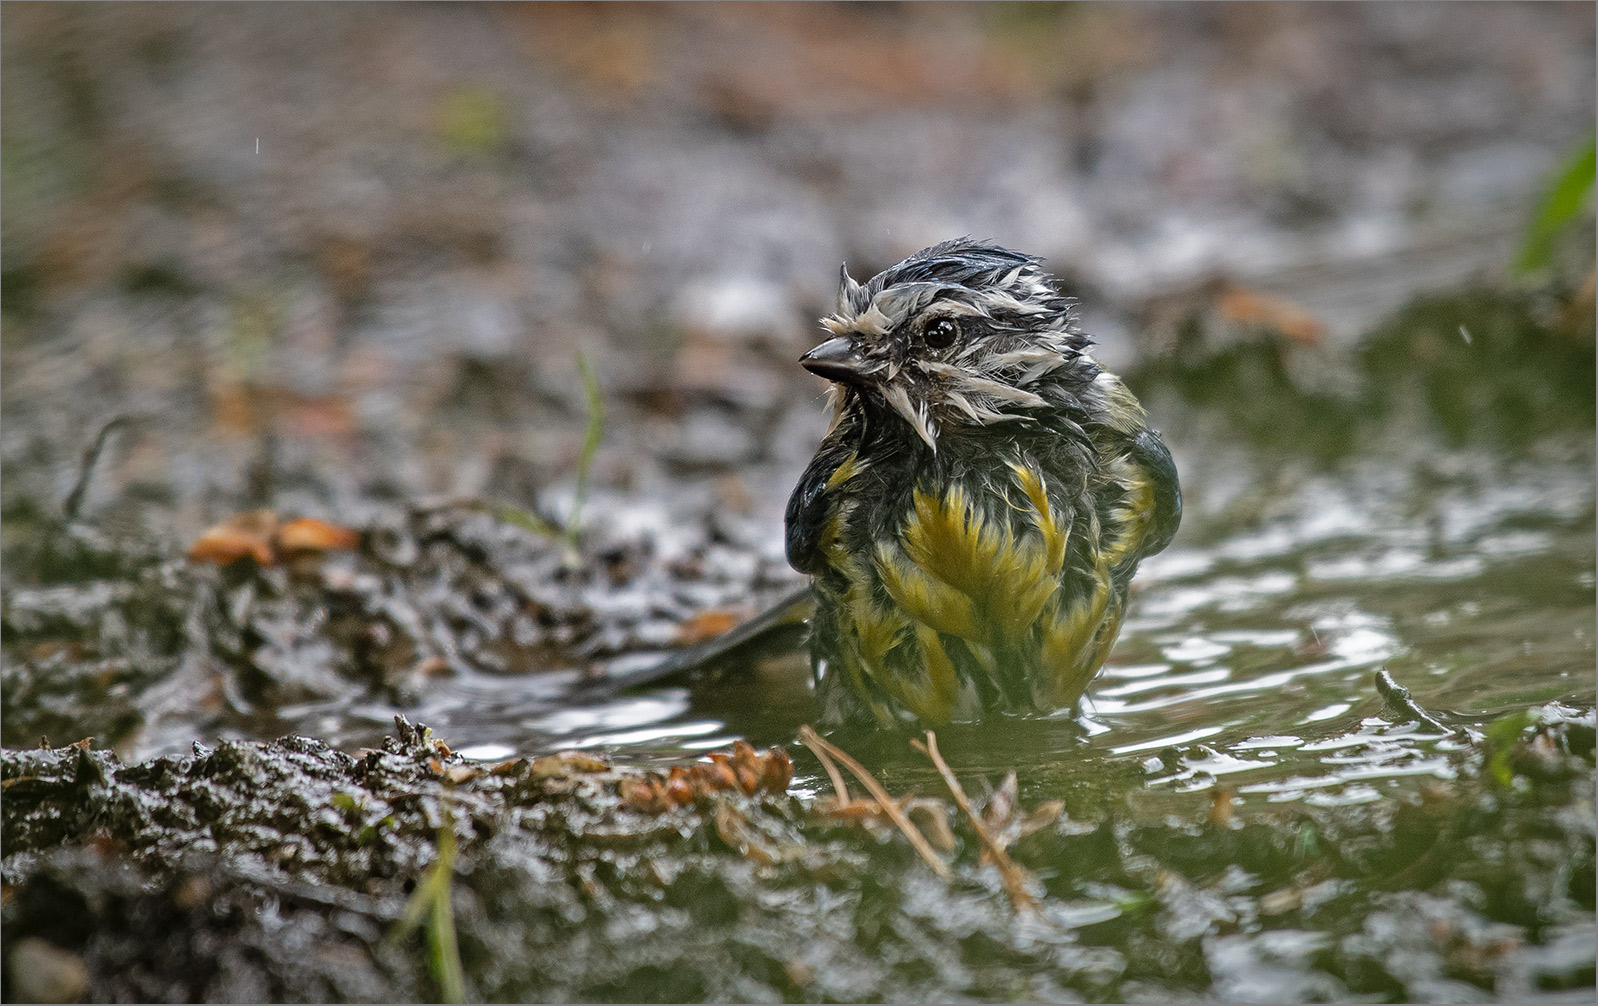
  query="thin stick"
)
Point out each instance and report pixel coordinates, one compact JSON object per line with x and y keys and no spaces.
{"x":842,"y":788}
{"x":1013,"y":875}
{"x":1397,"y":698}
{"x":812,"y":740}
{"x":91,"y":458}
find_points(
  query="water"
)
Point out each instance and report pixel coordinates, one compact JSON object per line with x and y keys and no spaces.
{"x":1247,"y":657}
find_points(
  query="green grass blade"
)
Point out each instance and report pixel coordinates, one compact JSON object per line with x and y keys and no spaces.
{"x":591,"y":438}
{"x":1561,"y":204}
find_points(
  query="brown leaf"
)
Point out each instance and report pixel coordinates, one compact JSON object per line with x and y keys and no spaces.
{"x":1044,"y":815}
{"x":709,"y":624}
{"x":1016,"y":878}
{"x":933,"y":818}
{"x":1000,"y":810}
{"x":719,"y":776}
{"x":307,"y":534}
{"x":567,"y":763}
{"x":679,"y":789}
{"x":827,"y":752}
{"x":642,"y":794}
{"x":242,"y":535}
{"x":733,"y":828}
{"x":1262,"y":310}
{"x":776,"y":771}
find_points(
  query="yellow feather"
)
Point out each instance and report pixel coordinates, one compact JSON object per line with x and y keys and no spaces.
{"x":849,"y":469}
{"x":971,"y":579}
{"x":877,"y":631}
{"x":1131,"y":518}
{"x":832,"y":545}
{"x":927,"y":600}
{"x":943,"y":683}
{"x":1019,"y":591}
{"x":1070,"y":651}
{"x":947,"y":539}
{"x":1055,"y":537}
{"x":956,"y":571}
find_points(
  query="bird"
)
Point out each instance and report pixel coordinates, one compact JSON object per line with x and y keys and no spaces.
{"x":971,"y":521}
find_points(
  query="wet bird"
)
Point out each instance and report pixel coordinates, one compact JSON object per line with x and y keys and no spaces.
{"x":972,"y":520}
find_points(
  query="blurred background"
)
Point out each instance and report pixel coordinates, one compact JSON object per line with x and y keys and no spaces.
{"x":329,"y":255}
{"x":352,"y":263}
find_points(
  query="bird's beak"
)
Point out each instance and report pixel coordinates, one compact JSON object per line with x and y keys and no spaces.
{"x":836,"y":359}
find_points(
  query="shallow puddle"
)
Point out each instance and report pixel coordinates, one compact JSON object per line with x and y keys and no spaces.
{"x":1246,"y":661}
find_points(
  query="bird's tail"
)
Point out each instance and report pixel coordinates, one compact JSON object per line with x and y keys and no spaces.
{"x":778,"y":627}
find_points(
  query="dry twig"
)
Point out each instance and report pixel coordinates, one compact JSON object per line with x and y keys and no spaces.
{"x":823,"y":750}
{"x":1011,"y":873}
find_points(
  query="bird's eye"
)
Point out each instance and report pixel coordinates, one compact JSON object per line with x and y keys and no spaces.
{"x":941,"y":333}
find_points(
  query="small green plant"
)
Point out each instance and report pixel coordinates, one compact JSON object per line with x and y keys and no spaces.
{"x":430,"y":904}
{"x":591,"y":438}
{"x":595,"y":432}
{"x":525,"y":519}
{"x":1562,"y":203}
{"x":1499,"y":740}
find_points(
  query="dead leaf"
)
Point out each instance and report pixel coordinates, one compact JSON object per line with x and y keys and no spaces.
{"x":1014,"y":876}
{"x":307,"y":534}
{"x":733,"y":828}
{"x":776,"y":772}
{"x":1044,"y":815}
{"x":678,"y":791}
{"x":709,"y":624}
{"x":827,"y":752}
{"x":1000,"y":811}
{"x":642,"y":794}
{"x":932,"y":816}
{"x":244,"y":535}
{"x":567,"y":763}
{"x":257,"y":534}
{"x":1261,"y":310}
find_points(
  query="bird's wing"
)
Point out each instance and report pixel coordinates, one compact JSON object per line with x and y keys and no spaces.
{"x":1148,"y":510}
{"x":813,"y":504}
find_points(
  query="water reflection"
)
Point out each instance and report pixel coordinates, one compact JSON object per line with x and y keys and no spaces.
{"x":1246,"y":661}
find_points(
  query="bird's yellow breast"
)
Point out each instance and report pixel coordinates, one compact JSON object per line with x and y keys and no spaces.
{"x":964,"y":589}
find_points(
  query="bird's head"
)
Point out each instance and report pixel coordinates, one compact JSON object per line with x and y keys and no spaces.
{"x":959,"y":334}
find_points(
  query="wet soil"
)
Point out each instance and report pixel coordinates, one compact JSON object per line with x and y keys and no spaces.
{"x":279,"y":872}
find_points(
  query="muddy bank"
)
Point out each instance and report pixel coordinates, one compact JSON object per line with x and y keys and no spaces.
{"x":279,"y":871}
